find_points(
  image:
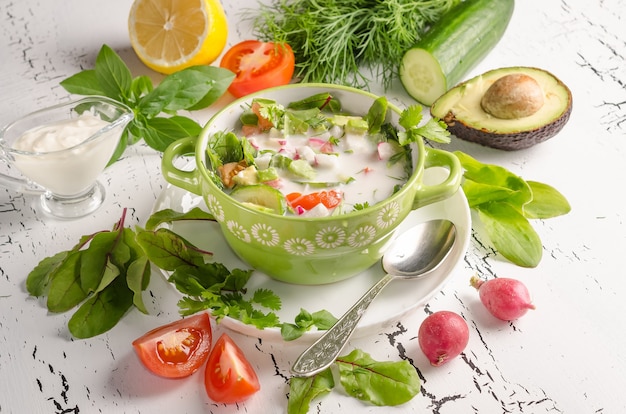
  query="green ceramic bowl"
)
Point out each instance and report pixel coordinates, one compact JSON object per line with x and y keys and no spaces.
{"x":301,"y":250}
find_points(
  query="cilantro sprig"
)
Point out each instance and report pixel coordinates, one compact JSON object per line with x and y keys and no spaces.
{"x":189,"y":89}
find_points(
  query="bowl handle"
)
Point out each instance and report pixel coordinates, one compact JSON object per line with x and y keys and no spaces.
{"x":428,"y":194}
{"x":187,"y":180}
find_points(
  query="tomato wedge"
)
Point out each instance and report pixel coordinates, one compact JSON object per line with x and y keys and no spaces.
{"x":329,"y":199}
{"x":258,"y":65}
{"x":229,"y":377}
{"x":178,"y":349}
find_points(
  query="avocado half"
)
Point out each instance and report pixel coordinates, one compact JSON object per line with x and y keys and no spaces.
{"x":508,"y":108}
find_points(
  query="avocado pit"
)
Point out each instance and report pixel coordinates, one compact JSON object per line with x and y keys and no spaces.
{"x":513,"y":96}
{"x":509,"y":108}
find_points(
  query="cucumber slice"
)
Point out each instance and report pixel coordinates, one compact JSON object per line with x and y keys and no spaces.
{"x":453,"y":46}
{"x":262,"y":197}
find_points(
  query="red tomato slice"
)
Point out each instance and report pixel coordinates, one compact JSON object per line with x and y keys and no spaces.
{"x":229,"y":377}
{"x":330,"y":199}
{"x":258,"y":65}
{"x":178,"y":349}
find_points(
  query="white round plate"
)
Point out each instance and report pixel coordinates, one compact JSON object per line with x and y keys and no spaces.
{"x":395,"y":301}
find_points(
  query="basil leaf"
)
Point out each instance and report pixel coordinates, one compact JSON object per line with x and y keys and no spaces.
{"x":121,"y":147}
{"x":290,"y":331}
{"x":102,"y":311}
{"x":511,"y":233}
{"x":113,"y":75}
{"x":38,"y":279}
{"x":169,"y":215}
{"x":547,"y":202}
{"x":83,"y":83}
{"x":137,"y":278}
{"x":304,"y":321}
{"x":65,"y":288}
{"x":323,"y":320}
{"x":302,"y":391}
{"x":380,"y":383}
{"x":189,"y":89}
{"x":140,"y":86}
{"x":204,"y":84}
{"x":159,"y":133}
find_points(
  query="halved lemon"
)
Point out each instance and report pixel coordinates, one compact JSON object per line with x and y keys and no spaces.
{"x":170,"y":35}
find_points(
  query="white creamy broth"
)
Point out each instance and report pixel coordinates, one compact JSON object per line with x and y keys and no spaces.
{"x":309,"y":158}
{"x":354,"y":166}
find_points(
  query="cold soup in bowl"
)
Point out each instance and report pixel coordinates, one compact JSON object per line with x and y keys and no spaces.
{"x":308,"y":182}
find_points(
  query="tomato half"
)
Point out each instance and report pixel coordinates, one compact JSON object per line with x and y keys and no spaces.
{"x":178,"y":349}
{"x":258,"y":65}
{"x":229,"y":377}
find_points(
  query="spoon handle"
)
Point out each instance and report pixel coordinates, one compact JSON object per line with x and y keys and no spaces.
{"x":325,"y":350}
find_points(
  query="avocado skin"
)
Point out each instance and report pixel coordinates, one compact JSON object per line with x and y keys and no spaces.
{"x":508,"y":141}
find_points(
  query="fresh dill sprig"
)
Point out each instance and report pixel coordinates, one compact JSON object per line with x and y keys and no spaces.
{"x":336,"y":40}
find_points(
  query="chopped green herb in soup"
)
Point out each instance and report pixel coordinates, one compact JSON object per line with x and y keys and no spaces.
{"x":309,"y":158}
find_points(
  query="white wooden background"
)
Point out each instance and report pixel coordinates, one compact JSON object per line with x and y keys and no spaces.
{"x":567,"y":356}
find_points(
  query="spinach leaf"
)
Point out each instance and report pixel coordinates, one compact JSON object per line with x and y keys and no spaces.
{"x":302,"y":391}
{"x":511,"y":233}
{"x":505,"y":202}
{"x":547,"y":202}
{"x":380,"y":383}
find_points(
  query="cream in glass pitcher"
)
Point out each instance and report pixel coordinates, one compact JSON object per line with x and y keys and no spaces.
{"x":61,"y":150}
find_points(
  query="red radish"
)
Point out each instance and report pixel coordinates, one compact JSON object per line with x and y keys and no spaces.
{"x":443,"y":336}
{"x":504,"y":298}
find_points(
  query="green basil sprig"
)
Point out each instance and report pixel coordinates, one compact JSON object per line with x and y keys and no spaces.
{"x":189,"y":89}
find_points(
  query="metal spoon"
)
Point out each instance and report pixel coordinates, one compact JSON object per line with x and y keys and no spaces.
{"x":412,"y":255}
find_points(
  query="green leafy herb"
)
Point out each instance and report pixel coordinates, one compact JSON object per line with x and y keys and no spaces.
{"x":385,"y":383}
{"x":102,"y":275}
{"x":505,"y":202}
{"x":106,"y":273}
{"x":302,"y":391}
{"x":380,"y":383}
{"x":304,"y":321}
{"x":189,"y":89}
{"x":433,"y":129}
{"x":335,"y":40}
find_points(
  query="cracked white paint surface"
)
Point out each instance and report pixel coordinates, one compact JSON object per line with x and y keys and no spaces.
{"x":567,"y":356}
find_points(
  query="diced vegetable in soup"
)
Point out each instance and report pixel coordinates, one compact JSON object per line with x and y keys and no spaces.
{"x":309,"y":158}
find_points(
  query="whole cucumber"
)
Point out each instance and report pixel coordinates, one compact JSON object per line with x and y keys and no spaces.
{"x":453,"y":46}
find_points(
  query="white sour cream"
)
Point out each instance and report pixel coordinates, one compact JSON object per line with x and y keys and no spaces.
{"x":61,"y":158}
